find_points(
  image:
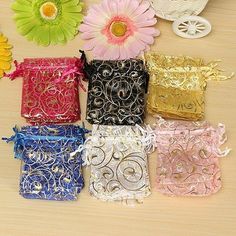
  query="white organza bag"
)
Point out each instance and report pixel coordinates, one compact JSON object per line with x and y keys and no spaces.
{"x":118,"y":159}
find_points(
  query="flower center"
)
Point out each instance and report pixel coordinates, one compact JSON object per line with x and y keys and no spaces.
{"x":49,"y":11}
{"x":118,"y":28}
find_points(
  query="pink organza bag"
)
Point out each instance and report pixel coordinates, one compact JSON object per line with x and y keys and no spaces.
{"x":50,"y":91}
{"x":188,"y":155}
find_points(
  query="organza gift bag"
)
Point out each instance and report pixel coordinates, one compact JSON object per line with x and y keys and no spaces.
{"x":188,"y":157}
{"x":116,"y":92}
{"x":118,"y":159}
{"x":50,"y":91}
{"x":177,"y":85}
{"x":51,"y":161}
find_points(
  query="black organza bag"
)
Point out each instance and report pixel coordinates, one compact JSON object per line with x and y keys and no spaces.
{"x":116,"y":92}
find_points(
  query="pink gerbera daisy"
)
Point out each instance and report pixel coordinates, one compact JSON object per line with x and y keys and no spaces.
{"x":119,"y":29}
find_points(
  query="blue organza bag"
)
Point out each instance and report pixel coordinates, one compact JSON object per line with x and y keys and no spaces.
{"x":51,"y":161}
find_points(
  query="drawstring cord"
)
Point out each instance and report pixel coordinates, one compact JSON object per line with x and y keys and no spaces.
{"x":86,"y":158}
{"x":87,"y":68}
{"x":223,"y":139}
{"x":72,"y":71}
{"x":18,"y":72}
{"x":148,"y":138}
{"x":13,"y":137}
{"x":18,"y":140}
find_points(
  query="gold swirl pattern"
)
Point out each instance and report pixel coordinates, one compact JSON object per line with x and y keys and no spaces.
{"x":119,"y":169}
{"x":177,"y":85}
{"x":49,"y":94}
{"x":188,"y":158}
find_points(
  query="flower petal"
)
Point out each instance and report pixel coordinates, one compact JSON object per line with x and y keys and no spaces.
{"x":100,"y":50}
{"x":1,"y":72}
{"x":90,"y":44}
{"x":137,"y":16}
{"x":141,"y":9}
{"x":44,"y":37}
{"x":148,"y":31}
{"x":30,"y":23}
{"x":89,"y":35}
{"x":5,"y":65}
{"x":145,"y":38}
{"x":145,"y":23}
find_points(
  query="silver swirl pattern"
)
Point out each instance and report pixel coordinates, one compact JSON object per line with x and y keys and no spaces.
{"x":48,"y":170}
{"x":116,"y":92}
{"x":119,"y":169}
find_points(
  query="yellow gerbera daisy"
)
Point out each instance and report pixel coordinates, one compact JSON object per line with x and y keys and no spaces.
{"x":5,"y":55}
{"x":48,"y":22}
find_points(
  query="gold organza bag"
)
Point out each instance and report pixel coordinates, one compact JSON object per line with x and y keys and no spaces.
{"x":177,"y":85}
